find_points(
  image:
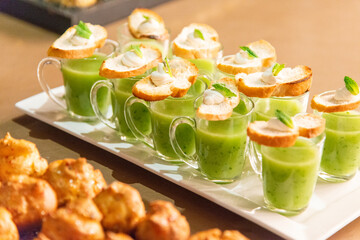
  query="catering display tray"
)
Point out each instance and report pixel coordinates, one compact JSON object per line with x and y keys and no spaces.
{"x":332,"y":206}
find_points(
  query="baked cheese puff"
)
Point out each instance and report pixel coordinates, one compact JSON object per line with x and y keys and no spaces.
{"x":117,"y":236}
{"x":78,"y":220}
{"x":8,"y":230}
{"x":18,"y":156}
{"x":163,"y":222}
{"x":28,"y":199}
{"x":121,"y":206}
{"x":74,"y":178}
{"x":216,"y":234}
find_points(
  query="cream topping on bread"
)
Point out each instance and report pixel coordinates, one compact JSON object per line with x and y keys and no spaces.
{"x":187,"y":37}
{"x":268,"y":76}
{"x":233,"y":60}
{"x":213,"y":97}
{"x":80,"y":41}
{"x":344,"y":95}
{"x":241,"y":57}
{"x":276,"y":124}
{"x":194,"y":41}
{"x":150,"y":26}
{"x":131,"y":59}
{"x":160,"y":77}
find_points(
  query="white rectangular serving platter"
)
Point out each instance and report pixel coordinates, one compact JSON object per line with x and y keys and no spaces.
{"x":331,"y":208}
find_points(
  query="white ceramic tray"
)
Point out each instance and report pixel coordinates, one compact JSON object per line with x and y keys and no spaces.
{"x":331,"y":208}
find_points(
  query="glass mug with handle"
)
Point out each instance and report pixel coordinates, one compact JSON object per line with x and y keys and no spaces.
{"x":221,"y":146}
{"x":121,"y":90}
{"x":78,"y":75}
{"x":162,"y":113}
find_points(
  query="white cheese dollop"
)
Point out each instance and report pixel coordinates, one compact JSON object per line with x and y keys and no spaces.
{"x":241,"y":57}
{"x":343,"y":94}
{"x":276,"y":124}
{"x":131,"y":59}
{"x":76,"y":40}
{"x":160,"y":77}
{"x":212,"y":97}
{"x":150,"y":26}
{"x":193,"y":41}
{"x":268,"y":77}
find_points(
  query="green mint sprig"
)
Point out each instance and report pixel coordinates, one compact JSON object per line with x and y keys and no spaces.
{"x":82,"y":30}
{"x":284,"y":118}
{"x":147,"y":18}
{"x":198,"y":34}
{"x":221,"y":88}
{"x":351,"y":85}
{"x":167,"y":66}
{"x":277,"y":68}
{"x":136,"y":49}
{"x":250,"y":52}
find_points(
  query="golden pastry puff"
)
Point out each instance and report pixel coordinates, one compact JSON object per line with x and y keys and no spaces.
{"x":216,"y":234}
{"x":121,"y":206}
{"x":74,"y":178}
{"x":163,"y":222}
{"x":8,"y":230}
{"x":117,"y":236}
{"x":27,"y":199}
{"x":18,"y":156}
{"x":79,"y":220}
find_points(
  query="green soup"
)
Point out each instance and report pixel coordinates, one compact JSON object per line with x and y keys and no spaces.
{"x":221,"y":147}
{"x":140,"y":113}
{"x":341,"y":156}
{"x":205,"y":66}
{"x":79,"y":76}
{"x":290,"y":174}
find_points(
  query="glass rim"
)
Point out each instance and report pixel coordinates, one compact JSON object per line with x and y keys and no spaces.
{"x":292,"y":97}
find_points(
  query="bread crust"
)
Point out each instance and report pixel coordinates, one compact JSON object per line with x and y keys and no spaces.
{"x":295,"y":88}
{"x":238,"y":69}
{"x":307,"y":130}
{"x":154,"y":15}
{"x":341,"y":107}
{"x":273,"y":140}
{"x":152,"y":93}
{"x":260,"y":92}
{"x":77,"y":53}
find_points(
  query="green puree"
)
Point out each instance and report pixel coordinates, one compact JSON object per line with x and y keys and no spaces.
{"x":79,"y":76}
{"x":205,"y":66}
{"x":341,"y":156}
{"x":140,"y":113}
{"x":162,"y":114}
{"x":265,"y":108}
{"x":221,"y":146}
{"x":290,"y":174}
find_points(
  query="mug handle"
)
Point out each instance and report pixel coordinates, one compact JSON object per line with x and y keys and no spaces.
{"x":130,"y":122}
{"x":109,"y":121}
{"x":255,"y":158}
{"x":43,"y":83}
{"x":113,"y":44}
{"x":188,"y":159}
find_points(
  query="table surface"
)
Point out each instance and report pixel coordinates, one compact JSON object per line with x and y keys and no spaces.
{"x":320,"y":34}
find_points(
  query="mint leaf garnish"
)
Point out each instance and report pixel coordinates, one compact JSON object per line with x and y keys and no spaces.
{"x":167,"y":66}
{"x":351,"y":85}
{"x":250,"y":52}
{"x":147,"y":18}
{"x":136,"y":49}
{"x":277,"y":68}
{"x":198,"y":34}
{"x":82,"y":30}
{"x":221,"y":88}
{"x":284,"y":118}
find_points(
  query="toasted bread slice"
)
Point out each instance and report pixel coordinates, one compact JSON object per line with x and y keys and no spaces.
{"x":259,"y":132}
{"x":64,"y":48}
{"x":216,"y":112}
{"x":326,"y":102}
{"x":293,"y":81}
{"x":209,"y":49}
{"x":309,"y":125}
{"x":266,"y":57}
{"x":252,"y":85}
{"x":137,"y":17}
{"x":232,"y":85}
{"x":113,"y":67}
{"x":183,"y":71}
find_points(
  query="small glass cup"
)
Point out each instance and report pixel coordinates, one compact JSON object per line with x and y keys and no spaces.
{"x":79,"y":75}
{"x":221,"y":146}
{"x":289,"y":175}
{"x":121,"y":89}
{"x":126,"y":39}
{"x":341,"y":157}
{"x":162,"y":113}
